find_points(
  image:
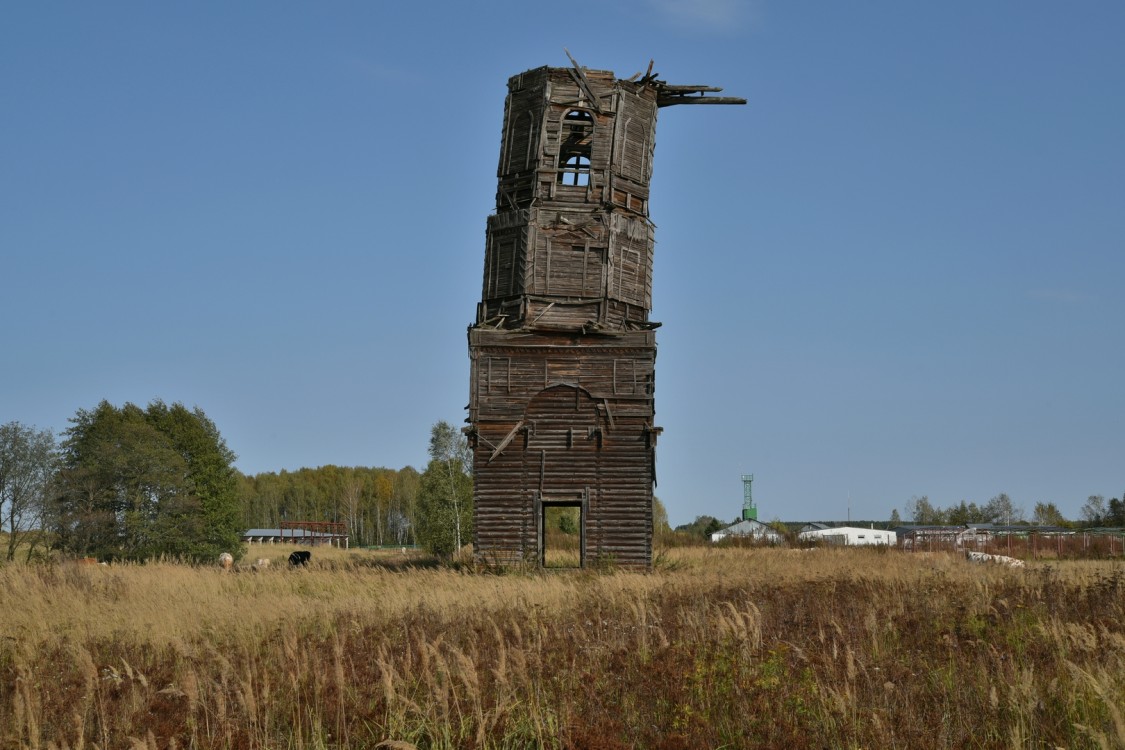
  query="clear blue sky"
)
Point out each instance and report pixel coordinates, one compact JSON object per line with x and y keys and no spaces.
{"x":899,"y":271}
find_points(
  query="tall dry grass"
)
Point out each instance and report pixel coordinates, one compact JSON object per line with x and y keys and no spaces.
{"x":715,"y":648}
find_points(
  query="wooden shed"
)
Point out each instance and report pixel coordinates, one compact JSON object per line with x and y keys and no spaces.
{"x":562,"y":351}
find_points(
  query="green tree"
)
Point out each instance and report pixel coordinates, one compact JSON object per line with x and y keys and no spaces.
{"x":568,"y":520}
{"x":211,"y":478}
{"x":702,"y":527}
{"x":383,"y":492}
{"x":922,"y":511}
{"x":403,"y":514}
{"x":445,"y":498}
{"x":28,"y":457}
{"x":137,"y":483}
{"x":976,"y":514}
{"x":1048,"y":514}
{"x":660,"y":526}
{"x":958,"y":515}
{"x":1002,"y":510}
{"x":1094,"y":512}
{"x":352,"y":501}
{"x":788,"y":535}
{"x":895,"y":519}
{"x":1115,"y":515}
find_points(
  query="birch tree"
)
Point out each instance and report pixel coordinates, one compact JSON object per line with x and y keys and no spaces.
{"x":28,"y":458}
{"x":445,"y":498}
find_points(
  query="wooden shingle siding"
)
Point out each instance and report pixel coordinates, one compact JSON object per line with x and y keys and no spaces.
{"x":562,"y":353}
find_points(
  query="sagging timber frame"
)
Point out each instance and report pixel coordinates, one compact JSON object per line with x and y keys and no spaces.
{"x":562,"y":352}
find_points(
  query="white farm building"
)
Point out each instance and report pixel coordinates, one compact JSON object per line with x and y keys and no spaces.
{"x":847,"y":536}
{"x":749,"y":528}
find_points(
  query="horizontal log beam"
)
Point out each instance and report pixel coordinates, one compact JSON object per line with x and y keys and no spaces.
{"x":668,"y":101}
{"x":686,"y":89}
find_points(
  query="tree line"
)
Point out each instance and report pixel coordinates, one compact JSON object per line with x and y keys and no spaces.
{"x":126,"y":483}
{"x":132,"y":483}
{"x":380,"y":506}
{"x":1096,"y":512}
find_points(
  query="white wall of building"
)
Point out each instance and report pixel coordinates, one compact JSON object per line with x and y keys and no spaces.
{"x":850,"y":536}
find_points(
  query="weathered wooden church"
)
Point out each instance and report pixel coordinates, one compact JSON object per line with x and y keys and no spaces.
{"x":562,"y":351}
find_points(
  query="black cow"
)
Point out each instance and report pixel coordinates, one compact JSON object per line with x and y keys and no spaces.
{"x":300,"y":557}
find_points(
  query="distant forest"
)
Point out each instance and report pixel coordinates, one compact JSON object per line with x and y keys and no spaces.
{"x":380,"y":506}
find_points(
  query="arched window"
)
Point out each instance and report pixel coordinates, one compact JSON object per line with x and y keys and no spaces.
{"x":574,"y":148}
{"x":575,"y":170}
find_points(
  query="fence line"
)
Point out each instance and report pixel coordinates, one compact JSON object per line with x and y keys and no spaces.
{"x":1031,"y":545}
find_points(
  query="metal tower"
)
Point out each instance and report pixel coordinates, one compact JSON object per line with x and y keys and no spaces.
{"x":749,"y":510}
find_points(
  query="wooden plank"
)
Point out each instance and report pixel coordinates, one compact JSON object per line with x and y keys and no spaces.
{"x":505,"y":442}
{"x":584,"y":83}
{"x":668,"y":101}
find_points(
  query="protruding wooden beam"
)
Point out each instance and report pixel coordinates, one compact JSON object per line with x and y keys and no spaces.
{"x":668,"y":101}
{"x":504,"y":443}
{"x":668,"y":94}
{"x":690,"y":89}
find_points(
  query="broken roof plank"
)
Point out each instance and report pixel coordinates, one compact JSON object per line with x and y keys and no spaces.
{"x":579,"y":75}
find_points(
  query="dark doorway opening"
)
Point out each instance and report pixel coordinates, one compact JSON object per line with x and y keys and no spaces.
{"x":562,"y":534}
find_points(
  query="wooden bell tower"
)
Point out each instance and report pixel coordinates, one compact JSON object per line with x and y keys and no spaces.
{"x":562,"y":351}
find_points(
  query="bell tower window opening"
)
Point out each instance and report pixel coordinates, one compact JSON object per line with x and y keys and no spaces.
{"x":574,"y":148}
{"x":575,"y":170}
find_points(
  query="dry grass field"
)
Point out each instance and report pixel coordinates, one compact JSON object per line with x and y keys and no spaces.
{"x":734,"y":648}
